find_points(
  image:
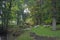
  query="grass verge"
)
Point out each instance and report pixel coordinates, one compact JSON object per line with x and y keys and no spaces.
{"x":43,"y":31}
{"x":25,"y":36}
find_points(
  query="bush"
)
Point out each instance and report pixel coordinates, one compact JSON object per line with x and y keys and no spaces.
{"x":30,"y":21}
{"x":48,"y":21}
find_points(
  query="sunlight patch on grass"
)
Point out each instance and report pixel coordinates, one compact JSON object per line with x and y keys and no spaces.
{"x":42,"y":31}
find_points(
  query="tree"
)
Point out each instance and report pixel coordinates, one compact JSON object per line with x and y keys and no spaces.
{"x":58,"y":11}
{"x":54,"y":14}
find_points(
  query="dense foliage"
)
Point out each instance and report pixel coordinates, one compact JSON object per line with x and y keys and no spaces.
{"x":40,"y":12}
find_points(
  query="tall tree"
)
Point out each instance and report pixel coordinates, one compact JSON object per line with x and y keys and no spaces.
{"x":54,"y":14}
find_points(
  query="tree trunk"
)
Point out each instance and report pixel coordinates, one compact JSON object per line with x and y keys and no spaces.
{"x":54,"y":15}
{"x":54,"y":24}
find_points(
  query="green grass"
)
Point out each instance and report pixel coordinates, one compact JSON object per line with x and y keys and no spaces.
{"x":42,"y":31}
{"x":25,"y":36}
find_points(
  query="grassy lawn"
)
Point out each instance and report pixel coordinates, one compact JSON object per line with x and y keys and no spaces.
{"x":43,"y":31}
{"x":25,"y":36}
